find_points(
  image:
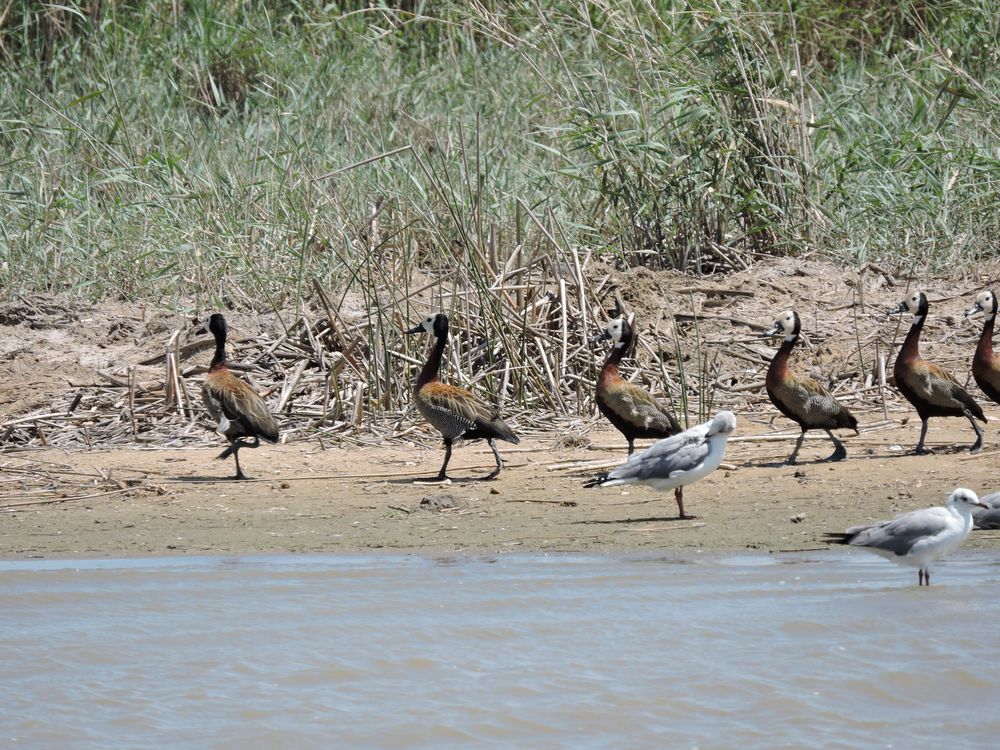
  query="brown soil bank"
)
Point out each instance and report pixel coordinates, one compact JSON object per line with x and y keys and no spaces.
{"x":344,"y":500}
{"x":87,"y":389}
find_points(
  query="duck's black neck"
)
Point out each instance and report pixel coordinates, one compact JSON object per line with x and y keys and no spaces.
{"x":912,"y":343}
{"x":779,"y":363}
{"x":986,"y":338}
{"x":432,"y":366}
{"x":617,"y":352}
{"x":787,"y":344}
{"x":219,"y":358}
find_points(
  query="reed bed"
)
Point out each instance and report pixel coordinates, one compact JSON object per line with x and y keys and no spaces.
{"x":341,"y":375}
{"x":225,"y":154}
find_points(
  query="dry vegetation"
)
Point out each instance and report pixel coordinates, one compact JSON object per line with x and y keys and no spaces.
{"x":340,"y":373}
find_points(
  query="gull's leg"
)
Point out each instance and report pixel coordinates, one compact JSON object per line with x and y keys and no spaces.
{"x":679,"y":497}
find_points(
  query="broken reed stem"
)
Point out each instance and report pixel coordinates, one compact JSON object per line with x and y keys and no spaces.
{"x":131,"y":400}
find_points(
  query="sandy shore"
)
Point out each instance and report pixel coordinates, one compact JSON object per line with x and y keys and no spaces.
{"x":305,"y":499}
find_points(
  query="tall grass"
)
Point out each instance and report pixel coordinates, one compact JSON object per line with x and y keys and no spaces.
{"x":180,"y":154}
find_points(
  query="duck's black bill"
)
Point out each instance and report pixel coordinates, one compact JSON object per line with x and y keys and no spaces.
{"x":900,"y":308}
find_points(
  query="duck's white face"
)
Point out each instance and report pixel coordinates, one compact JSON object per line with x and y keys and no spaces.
{"x":436,"y":325}
{"x":984,"y":303}
{"x":786,"y":322}
{"x":912,"y":303}
{"x":615,"y":329}
{"x":784,"y":326}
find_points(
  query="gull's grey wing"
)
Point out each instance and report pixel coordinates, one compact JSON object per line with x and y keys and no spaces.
{"x":899,"y":535}
{"x":987,"y":519}
{"x":665,"y":457}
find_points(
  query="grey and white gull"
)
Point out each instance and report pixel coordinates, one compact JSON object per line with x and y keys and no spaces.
{"x":988,"y":517}
{"x":919,"y":537}
{"x":675,"y":461}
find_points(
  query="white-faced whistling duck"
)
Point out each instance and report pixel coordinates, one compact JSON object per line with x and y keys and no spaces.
{"x":237,"y":408}
{"x":675,"y":461}
{"x":985,"y":364}
{"x":800,"y":398}
{"x":627,"y":406}
{"x":931,"y":389}
{"x":454,"y":412}
{"x":919,"y":537}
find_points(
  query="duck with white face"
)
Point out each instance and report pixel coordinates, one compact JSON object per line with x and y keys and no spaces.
{"x":985,"y":363}
{"x":800,"y":398}
{"x":630,"y":408}
{"x":457,"y":413}
{"x":932,"y":390}
{"x":237,"y":409}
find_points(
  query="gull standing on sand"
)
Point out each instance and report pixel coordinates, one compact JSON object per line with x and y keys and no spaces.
{"x":918,"y":537}
{"x":675,"y":461}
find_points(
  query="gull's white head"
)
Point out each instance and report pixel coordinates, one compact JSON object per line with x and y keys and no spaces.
{"x":964,"y":499}
{"x":722,"y":423}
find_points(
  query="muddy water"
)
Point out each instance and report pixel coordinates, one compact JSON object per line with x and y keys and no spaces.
{"x":824,"y":650}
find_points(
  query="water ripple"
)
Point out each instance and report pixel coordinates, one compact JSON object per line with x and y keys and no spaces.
{"x":542,"y":651}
